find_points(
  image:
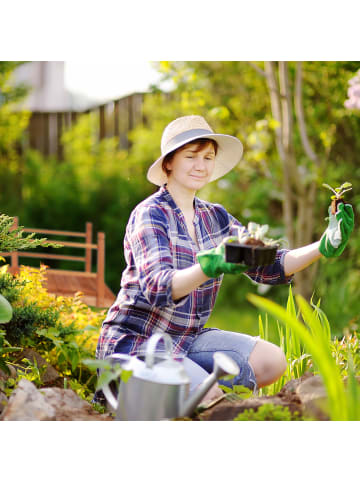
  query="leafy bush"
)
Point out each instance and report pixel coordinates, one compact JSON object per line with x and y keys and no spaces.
{"x":63,"y":330}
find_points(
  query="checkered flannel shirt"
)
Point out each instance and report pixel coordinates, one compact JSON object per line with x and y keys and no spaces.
{"x":157,"y":244}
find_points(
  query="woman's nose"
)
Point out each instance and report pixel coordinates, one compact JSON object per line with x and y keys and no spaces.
{"x":200,"y":163}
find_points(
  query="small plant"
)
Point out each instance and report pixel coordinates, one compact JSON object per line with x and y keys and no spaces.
{"x":251,"y":247}
{"x":255,"y":235}
{"x":268,"y":411}
{"x":338,"y":196}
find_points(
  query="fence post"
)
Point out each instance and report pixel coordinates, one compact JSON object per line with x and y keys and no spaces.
{"x":102,"y":128}
{"x":88,"y":251}
{"x":100,"y":277}
{"x":15,"y":254}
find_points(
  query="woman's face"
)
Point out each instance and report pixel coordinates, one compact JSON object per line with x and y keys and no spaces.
{"x":192,"y":166}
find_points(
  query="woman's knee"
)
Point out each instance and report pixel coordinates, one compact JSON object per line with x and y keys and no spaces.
{"x":268,"y":362}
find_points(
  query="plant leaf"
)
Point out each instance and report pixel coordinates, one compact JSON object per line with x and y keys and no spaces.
{"x":6,"y":310}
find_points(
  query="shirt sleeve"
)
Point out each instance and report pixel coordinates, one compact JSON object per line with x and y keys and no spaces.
{"x":272,"y":274}
{"x":150,"y":249}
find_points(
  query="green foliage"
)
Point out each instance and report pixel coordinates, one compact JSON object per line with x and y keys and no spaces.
{"x":10,"y":287}
{"x":26,"y":321}
{"x":5,"y":350}
{"x":13,"y":123}
{"x":313,"y":332}
{"x":5,"y":310}
{"x":268,"y":411}
{"x":11,"y":239}
{"x":108,"y":372}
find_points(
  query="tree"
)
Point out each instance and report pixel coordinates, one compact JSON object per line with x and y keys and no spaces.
{"x":12,"y":126}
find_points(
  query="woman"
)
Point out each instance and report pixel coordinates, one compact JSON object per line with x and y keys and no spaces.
{"x":174,"y":272}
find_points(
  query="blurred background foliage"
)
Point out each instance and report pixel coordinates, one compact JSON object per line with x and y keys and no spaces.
{"x":100,"y":183}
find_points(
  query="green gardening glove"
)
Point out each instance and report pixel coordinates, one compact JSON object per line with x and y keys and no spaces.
{"x":341,"y":224}
{"x":213,"y":264}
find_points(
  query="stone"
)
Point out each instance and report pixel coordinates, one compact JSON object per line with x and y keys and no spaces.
{"x":27,"y":403}
{"x":48,"y":404}
{"x":3,"y":402}
{"x":312,"y":395}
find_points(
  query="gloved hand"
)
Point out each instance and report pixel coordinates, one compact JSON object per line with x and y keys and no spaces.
{"x":341,"y":224}
{"x":213,"y":264}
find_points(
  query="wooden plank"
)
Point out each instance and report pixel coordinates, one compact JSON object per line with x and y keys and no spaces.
{"x":83,"y":274}
{"x":52,"y":231}
{"x":25,"y":254}
{"x":102,"y":127}
{"x":88,"y":254}
{"x":100,"y":270}
{"x":59,"y":147}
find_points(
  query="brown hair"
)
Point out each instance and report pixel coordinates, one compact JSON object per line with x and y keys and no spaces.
{"x":199,"y":143}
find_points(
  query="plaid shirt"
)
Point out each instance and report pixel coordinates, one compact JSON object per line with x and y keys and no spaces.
{"x":157,"y":244}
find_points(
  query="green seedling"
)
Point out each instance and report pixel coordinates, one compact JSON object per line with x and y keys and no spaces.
{"x":338,"y":196}
{"x":254,"y":234}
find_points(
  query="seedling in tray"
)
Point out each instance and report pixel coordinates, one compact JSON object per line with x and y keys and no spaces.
{"x":338,"y":196}
{"x":252,"y":247}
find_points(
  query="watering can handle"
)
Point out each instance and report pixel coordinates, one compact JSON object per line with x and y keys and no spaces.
{"x":150,"y":350}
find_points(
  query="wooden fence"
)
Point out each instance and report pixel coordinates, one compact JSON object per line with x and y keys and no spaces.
{"x":115,"y":118}
{"x":64,"y":282}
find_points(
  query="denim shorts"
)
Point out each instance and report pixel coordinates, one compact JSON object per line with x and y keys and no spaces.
{"x":238,"y":346}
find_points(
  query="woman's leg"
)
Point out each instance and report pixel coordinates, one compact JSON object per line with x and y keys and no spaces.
{"x":268,"y":362}
{"x":260,"y":362}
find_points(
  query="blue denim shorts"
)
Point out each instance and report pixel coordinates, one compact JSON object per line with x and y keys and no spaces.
{"x":199,"y":360}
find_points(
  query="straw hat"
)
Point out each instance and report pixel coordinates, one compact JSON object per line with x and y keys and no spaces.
{"x":188,"y":128}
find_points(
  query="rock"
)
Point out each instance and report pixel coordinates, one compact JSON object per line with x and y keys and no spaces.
{"x":312,"y":395}
{"x":27,"y":403}
{"x":46,"y":404}
{"x":3,"y":402}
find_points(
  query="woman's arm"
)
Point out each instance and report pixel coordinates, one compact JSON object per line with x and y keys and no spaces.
{"x":298,"y":259}
{"x":184,"y":281}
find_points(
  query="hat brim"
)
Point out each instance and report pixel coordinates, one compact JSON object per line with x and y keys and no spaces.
{"x":229,"y":153}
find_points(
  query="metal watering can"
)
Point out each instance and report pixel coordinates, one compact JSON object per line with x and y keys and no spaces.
{"x":160,"y":390}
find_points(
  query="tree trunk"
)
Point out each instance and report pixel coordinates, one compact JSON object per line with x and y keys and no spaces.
{"x":299,"y":186}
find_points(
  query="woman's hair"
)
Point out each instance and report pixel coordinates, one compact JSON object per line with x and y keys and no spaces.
{"x":199,"y":143}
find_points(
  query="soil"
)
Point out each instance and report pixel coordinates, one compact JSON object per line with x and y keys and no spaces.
{"x":227,"y":410}
{"x":254,"y":242}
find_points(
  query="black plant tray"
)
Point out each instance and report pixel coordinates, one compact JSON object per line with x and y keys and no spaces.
{"x":250,"y":255}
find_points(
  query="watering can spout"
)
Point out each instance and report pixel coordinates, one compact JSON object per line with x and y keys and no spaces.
{"x":223,"y":365}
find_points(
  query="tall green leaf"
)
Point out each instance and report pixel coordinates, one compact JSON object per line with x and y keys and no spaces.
{"x":319,"y":348}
